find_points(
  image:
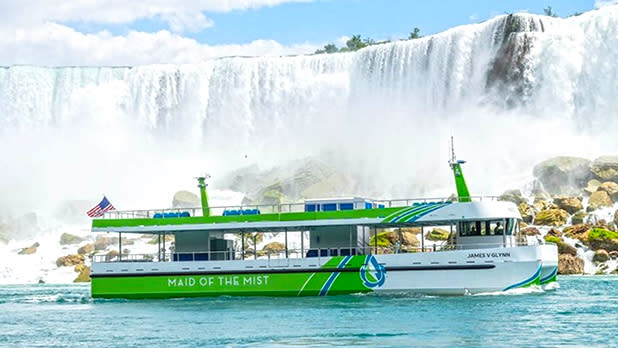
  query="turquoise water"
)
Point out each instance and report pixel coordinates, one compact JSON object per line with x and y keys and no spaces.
{"x":583,"y":312}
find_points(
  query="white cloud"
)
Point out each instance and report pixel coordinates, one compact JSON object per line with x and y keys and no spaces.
{"x":54,"y":44}
{"x":601,"y":3}
{"x":179,"y":14}
{"x":473,"y":17}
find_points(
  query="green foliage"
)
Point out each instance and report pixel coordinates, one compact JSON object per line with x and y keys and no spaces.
{"x":383,"y":240}
{"x":553,"y":239}
{"x":329,"y":48}
{"x":415,"y":34}
{"x":602,"y":234}
{"x":355,"y":43}
{"x":550,"y":12}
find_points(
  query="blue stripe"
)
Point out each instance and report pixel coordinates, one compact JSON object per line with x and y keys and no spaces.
{"x":534,"y":276}
{"x":416,"y":217}
{"x":334,"y":276}
{"x":551,"y":275}
{"x":412,"y":212}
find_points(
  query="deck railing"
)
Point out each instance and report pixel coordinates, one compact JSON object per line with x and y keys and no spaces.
{"x":311,"y":253}
{"x":270,"y":208}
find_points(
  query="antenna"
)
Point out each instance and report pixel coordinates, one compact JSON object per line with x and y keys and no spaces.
{"x":453,"y":160}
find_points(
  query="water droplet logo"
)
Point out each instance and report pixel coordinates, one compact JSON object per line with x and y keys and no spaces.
{"x":372,"y":273}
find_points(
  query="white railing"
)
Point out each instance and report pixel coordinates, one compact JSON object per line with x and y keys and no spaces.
{"x":270,"y":208}
{"x":292,"y":253}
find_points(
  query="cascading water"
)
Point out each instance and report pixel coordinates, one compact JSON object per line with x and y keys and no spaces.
{"x":529,"y":86}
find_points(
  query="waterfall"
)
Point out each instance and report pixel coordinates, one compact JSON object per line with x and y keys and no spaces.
{"x":531,"y":86}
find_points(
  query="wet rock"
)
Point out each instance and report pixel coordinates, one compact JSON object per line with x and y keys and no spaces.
{"x":83,"y":276}
{"x":599,"y":238}
{"x":70,"y":260}
{"x":67,"y":239}
{"x":408,"y":234}
{"x":437,"y":234}
{"x":29,"y":250}
{"x":186,"y":199}
{"x":579,"y":231}
{"x":526,"y":211}
{"x":554,"y":233}
{"x":605,"y":168}
{"x":530,"y":231}
{"x":541,"y":196}
{"x":101,"y":242}
{"x":112,"y":254}
{"x":514,"y":196}
{"x":86,"y":249}
{"x":613,"y":255}
{"x":41,"y":281}
{"x":570,"y":204}
{"x":563,"y":248}
{"x":598,"y":199}
{"x":541,"y":205}
{"x":578,"y":217}
{"x":569,"y":264}
{"x":274,"y":247}
{"x":600,"y":256}
{"x":592,"y":186}
{"x":616,"y":217}
{"x":563,"y":175}
{"x":551,"y":217}
{"x":611,"y":188}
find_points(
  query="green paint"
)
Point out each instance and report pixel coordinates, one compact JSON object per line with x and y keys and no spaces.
{"x":203,"y":195}
{"x":260,"y":284}
{"x":460,"y":182}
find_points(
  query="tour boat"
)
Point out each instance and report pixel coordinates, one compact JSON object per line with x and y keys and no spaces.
{"x":328,"y":247}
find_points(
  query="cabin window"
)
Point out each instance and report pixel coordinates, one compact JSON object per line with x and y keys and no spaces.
{"x":368,"y":205}
{"x":329,"y":206}
{"x":472,"y":228}
{"x":346,"y":206}
{"x":485,"y":228}
{"x":495,"y":227}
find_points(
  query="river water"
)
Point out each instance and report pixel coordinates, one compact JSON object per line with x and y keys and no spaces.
{"x":582,"y":312}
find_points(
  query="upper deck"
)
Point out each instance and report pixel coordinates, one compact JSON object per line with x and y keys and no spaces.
{"x":383,"y":213}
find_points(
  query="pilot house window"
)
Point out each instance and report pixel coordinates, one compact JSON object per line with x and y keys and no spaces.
{"x":486,"y":228}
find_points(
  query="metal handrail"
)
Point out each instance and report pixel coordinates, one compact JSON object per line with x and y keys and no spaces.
{"x":276,"y":208}
{"x":311,"y":253}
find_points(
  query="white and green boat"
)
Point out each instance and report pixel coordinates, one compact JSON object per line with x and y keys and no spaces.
{"x":339,"y":253}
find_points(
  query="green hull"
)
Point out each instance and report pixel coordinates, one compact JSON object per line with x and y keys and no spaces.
{"x":341,"y":275}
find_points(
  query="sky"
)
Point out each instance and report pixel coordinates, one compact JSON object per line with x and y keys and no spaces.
{"x":133,"y":32}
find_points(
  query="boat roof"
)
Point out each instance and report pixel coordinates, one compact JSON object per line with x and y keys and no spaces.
{"x":292,"y":217}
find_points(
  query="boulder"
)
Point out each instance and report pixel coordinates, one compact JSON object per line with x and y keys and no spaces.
{"x":570,"y":204}
{"x":274,"y":247}
{"x":541,"y":205}
{"x":186,"y":199}
{"x":551,"y":217}
{"x":579,"y":231}
{"x":600,"y":256}
{"x":101,"y":242}
{"x":29,"y":250}
{"x":605,"y":168}
{"x":578,"y":217}
{"x":599,"y":238}
{"x":592,"y":186}
{"x":611,"y":188}
{"x":526,"y":211}
{"x":598,"y":199}
{"x":408,"y":234}
{"x":563,"y":248}
{"x":86,"y":249}
{"x":83,"y":276}
{"x":437,"y":234}
{"x":540,"y":195}
{"x":70,"y":260}
{"x":514,"y":196}
{"x":530,"y":231}
{"x":112,"y":254}
{"x":613,"y":255}
{"x":563,"y":174}
{"x":67,"y":239}
{"x":554,"y":233}
{"x":569,"y":264}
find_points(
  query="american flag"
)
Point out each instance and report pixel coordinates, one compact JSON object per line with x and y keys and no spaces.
{"x":100,"y":208}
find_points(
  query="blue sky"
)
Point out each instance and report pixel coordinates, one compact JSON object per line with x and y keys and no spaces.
{"x":327,"y":20}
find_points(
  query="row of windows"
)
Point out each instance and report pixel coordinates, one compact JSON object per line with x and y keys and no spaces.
{"x":333,"y":206}
{"x":487,"y":228}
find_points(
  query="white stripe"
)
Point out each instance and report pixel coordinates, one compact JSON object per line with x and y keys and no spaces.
{"x":306,"y":282}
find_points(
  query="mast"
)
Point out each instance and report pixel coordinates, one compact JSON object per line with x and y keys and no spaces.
{"x":203,"y":194}
{"x":460,"y":182}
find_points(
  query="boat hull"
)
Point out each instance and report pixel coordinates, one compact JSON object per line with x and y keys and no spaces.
{"x":439,"y":273}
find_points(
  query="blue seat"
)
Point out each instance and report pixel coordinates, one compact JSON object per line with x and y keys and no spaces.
{"x":368,"y":205}
{"x":158,"y":216}
{"x":185,"y":214}
{"x":346,"y":206}
{"x":380,"y":206}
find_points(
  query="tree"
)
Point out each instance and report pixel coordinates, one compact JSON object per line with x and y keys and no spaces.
{"x":550,"y":12}
{"x":415,"y":34}
{"x":355,"y":43}
{"x":329,"y":48}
